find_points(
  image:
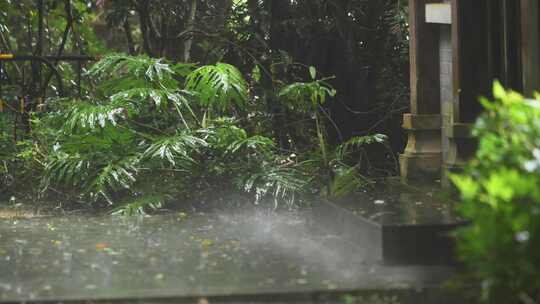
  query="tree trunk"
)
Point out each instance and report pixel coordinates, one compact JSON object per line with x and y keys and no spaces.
{"x":129,"y":37}
{"x":144,"y":24}
{"x":189,"y":28}
{"x":280,"y":11}
{"x":223,"y":8}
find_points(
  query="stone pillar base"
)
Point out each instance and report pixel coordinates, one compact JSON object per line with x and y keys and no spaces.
{"x":425,"y":166}
{"x":462,"y":148}
{"x":422,"y":158}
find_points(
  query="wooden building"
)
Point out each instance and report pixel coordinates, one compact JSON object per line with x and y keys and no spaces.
{"x":458,"y":47}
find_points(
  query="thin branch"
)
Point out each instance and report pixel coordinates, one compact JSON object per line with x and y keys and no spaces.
{"x":334,"y":124}
{"x":219,"y":37}
{"x":65,"y":36}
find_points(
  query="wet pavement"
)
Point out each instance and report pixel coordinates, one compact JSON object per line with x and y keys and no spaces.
{"x":220,"y":252}
{"x":394,"y":203}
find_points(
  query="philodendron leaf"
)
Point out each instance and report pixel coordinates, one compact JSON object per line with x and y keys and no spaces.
{"x":218,"y":86}
{"x":256,"y":74}
{"x":313,"y":72}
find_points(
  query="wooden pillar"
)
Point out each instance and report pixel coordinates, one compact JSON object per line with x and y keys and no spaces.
{"x":530,"y":33}
{"x":422,"y":156}
{"x":472,"y":77}
{"x":511,"y":72}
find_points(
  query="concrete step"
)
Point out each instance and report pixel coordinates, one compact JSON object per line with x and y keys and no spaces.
{"x":394,"y":223}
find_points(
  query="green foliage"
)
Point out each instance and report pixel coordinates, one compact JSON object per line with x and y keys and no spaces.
{"x":358,"y":142}
{"x":86,"y":115}
{"x":501,"y":196}
{"x":140,"y":126}
{"x":282,"y":182}
{"x":251,"y":164}
{"x":147,"y":97}
{"x":136,"y":115}
{"x":140,"y":205}
{"x":336,"y":173}
{"x":306,"y":97}
{"x":6,"y":155}
{"x":348,"y":178}
{"x":68,"y":30}
{"x":150,"y":132}
{"x":176,"y":149}
{"x":373,"y":299}
{"x":218,"y":86}
{"x":114,"y":176}
{"x":19,"y":18}
{"x":126,"y":69}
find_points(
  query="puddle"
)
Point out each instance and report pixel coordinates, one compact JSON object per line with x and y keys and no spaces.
{"x":224,"y":251}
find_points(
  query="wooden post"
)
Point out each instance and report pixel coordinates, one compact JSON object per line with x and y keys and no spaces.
{"x":422,"y":156}
{"x":530,"y":33}
{"x":472,"y":77}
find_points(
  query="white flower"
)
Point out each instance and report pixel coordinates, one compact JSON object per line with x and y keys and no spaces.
{"x":522,"y":236}
{"x":56,"y":147}
{"x":534,"y":164}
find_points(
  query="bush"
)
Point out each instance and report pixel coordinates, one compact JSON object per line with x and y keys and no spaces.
{"x":149,"y":120}
{"x":148,"y":132}
{"x":500,"y":189}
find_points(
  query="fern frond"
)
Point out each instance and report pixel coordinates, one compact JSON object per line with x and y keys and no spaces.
{"x":118,"y":72}
{"x":64,"y":169}
{"x":175,"y":148}
{"x":306,"y":96}
{"x":357,"y":142}
{"x":85,"y":116}
{"x":223,"y":134}
{"x":282,"y":183}
{"x":114,"y":176}
{"x":140,"y":95}
{"x":140,"y":206}
{"x":162,"y":98}
{"x":183,"y":69}
{"x":257,"y":143}
{"x":218,"y":86}
{"x":346,"y":180}
{"x":153,"y":69}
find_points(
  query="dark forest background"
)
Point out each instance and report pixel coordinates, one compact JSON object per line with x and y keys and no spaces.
{"x":363,"y":43}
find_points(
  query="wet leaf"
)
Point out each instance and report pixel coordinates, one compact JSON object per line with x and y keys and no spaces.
{"x":206,"y":243}
{"x":313,"y":72}
{"x":203,"y":301}
{"x":101,"y":246}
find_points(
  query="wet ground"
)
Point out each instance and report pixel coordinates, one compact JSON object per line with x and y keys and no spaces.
{"x":221,"y":252}
{"x":394,"y":203}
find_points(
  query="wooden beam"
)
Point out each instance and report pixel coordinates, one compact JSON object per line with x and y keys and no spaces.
{"x":23,"y":57}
